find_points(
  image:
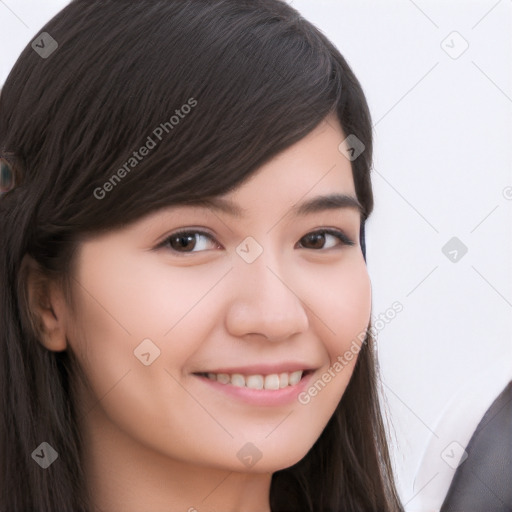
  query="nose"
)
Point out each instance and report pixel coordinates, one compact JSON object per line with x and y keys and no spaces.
{"x":264,"y":303}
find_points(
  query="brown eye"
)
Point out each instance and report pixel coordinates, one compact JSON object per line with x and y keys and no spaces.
{"x":314,"y":240}
{"x":189,"y":241}
{"x":319,"y":239}
{"x":182,"y":242}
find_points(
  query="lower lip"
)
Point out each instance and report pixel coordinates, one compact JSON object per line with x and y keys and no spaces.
{"x":265,"y":397}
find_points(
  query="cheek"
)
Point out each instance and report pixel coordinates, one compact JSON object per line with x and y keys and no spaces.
{"x":341,"y":306}
{"x":341,"y":298}
{"x":123,"y":302}
{"x":122,"y":305}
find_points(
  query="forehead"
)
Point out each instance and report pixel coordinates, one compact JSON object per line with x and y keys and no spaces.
{"x":315,"y":165}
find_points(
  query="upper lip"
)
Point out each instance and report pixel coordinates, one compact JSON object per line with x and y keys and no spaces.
{"x":263,"y":369}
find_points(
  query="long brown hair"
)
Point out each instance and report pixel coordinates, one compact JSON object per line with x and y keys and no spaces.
{"x":72,"y":115}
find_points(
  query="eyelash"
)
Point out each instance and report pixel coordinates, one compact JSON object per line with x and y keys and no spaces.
{"x":342,"y":237}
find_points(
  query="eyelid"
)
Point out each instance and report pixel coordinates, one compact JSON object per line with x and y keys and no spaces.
{"x":185,"y":231}
{"x":338,"y":233}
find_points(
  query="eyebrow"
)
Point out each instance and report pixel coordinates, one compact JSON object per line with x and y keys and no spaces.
{"x":315,"y":205}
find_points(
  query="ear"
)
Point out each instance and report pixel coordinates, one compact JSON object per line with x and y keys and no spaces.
{"x":47,"y":306}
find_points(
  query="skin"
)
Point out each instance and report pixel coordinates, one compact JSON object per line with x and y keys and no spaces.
{"x":157,"y":437}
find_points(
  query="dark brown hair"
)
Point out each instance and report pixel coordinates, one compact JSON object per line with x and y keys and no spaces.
{"x":257,"y":78}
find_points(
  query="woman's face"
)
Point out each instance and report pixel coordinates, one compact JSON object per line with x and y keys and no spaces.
{"x":251,"y":299}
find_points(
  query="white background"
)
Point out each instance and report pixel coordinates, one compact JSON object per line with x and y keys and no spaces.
{"x":443,"y":158}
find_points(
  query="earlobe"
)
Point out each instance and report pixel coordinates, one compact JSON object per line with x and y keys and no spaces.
{"x":46,"y":306}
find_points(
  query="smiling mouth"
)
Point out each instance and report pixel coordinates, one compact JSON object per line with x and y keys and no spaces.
{"x":273,"y":381}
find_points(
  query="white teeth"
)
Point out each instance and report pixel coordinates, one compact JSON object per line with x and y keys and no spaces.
{"x":295,"y":377}
{"x":283,"y":380}
{"x":254,"y":382}
{"x":272,"y":381}
{"x":238,"y":380}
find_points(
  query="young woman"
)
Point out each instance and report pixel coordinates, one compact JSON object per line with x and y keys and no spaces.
{"x":185,"y":305}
